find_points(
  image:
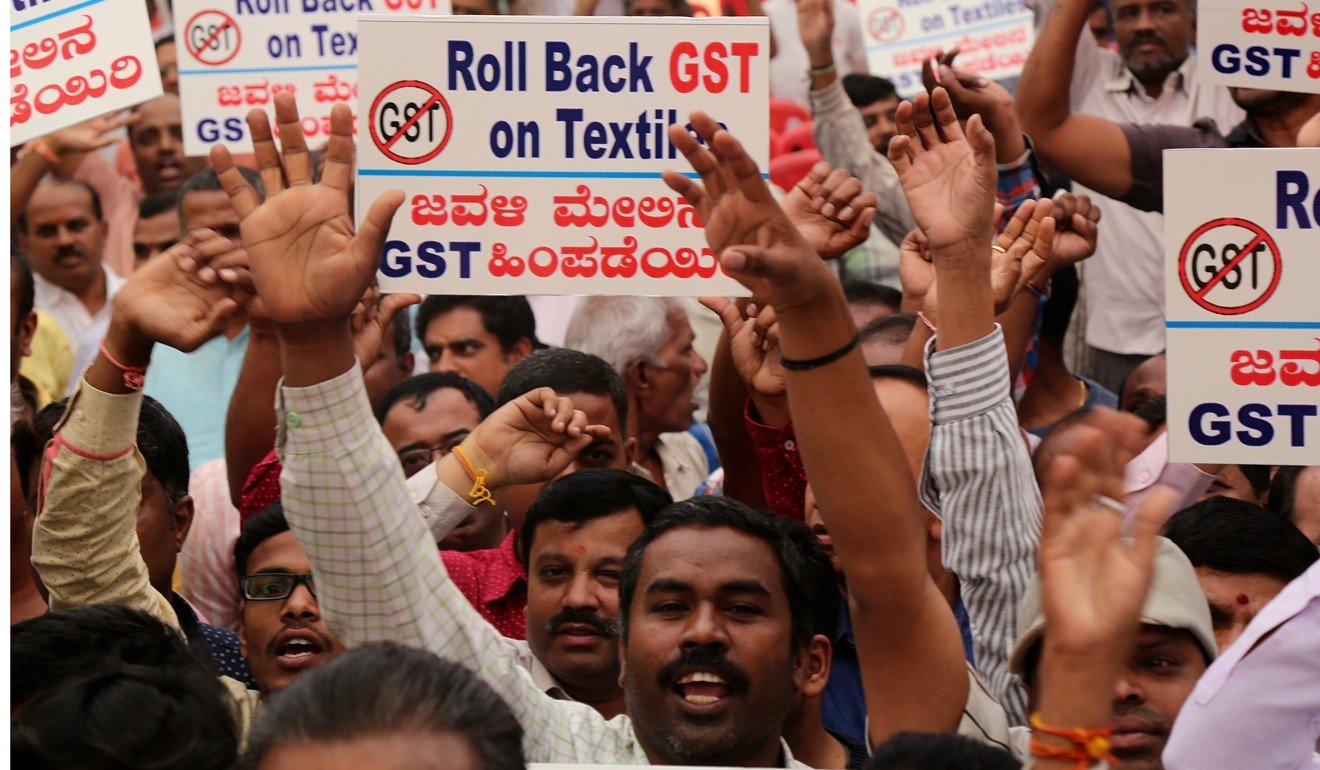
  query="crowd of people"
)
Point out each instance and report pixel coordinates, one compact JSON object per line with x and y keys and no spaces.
{"x":908,"y":506}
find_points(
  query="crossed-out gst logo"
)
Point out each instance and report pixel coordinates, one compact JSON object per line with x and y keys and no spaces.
{"x":411,"y":122}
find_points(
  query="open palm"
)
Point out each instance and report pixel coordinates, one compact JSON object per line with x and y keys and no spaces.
{"x":308,"y":262}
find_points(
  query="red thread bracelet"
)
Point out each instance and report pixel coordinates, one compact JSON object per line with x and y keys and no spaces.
{"x":1088,"y":744}
{"x":134,"y":376}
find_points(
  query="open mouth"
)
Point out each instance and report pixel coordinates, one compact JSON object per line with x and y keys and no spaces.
{"x":169,"y":170}
{"x":298,"y":649}
{"x":702,"y":688}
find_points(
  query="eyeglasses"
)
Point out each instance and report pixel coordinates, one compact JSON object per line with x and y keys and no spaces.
{"x":417,"y":458}
{"x":269,"y":586}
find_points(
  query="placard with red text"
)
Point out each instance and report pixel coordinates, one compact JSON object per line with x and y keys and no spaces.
{"x":71,"y":60}
{"x":1242,"y":244}
{"x":531,"y":149}
{"x":1269,"y":44}
{"x":235,"y":55}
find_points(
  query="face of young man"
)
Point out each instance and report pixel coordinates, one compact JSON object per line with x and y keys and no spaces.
{"x":153,"y":235}
{"x":457,"y":341}
{"x":666,"y":387}
{"x":281,"y":638}
{"x":1153,"y":36}
{"x":710,"y":673}
{"x":211,"y":209}
{"x":573,"y":597}
{"x":63,"y":237}
{"x":881,"y":123}
{"x":157,"y":143}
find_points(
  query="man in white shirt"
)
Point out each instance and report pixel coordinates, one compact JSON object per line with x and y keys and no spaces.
{"x":63,"y":232}
{"x":789,"y":78}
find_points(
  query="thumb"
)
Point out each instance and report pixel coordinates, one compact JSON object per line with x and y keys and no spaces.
{"x":746,"y":262}
{"x":981,"y":140}
{"x":391,"y":304}
{"x":370,"y":238}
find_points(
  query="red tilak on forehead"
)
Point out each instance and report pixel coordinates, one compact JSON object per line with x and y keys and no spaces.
{"x":1243,"y":599}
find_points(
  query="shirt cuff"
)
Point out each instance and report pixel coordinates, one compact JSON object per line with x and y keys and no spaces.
{"x":100,"y":423}
{"x":831,"y":98}
{"x":967,"y":380}
{"x":326,"y":416}
{"x":765,"y":438}
{"x":441,"y":508}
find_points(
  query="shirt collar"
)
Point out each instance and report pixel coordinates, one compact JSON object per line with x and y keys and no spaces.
{"x":503,"y":572}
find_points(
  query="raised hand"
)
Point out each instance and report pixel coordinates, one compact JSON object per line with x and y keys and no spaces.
{"x":1078,"y":229}
{"x":371,"y":319}
{"x":753,"y":343}
{"x":948,"y":176}
{"x":916,"y":273}
{"x":164,"y":302}
{"x":87,"y":136}
{"x":831,"y":210}
{"x":309,"y":265}
{"x":816,"y":28}
{"x":529,"y":440}
{"x":756,"y":242}
{"x":1021,"y":250}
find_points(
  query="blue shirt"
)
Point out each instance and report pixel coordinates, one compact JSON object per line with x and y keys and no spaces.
{"x":195,"y":388}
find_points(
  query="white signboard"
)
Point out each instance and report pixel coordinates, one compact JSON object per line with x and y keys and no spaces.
{"x":530,"y":149}
{"x":1272,"y":44}
{"x":1242,"y":247}
{"x":994,"y":37}
{"x":71,"y":60}
{"x":235,"y":55}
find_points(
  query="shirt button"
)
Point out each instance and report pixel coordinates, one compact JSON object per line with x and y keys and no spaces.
{"x":790,"y":445}
{"x":1144,"y":477}
{"x":294,"y":419}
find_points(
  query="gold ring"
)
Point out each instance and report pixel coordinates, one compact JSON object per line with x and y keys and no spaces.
{"x":998,"y":248}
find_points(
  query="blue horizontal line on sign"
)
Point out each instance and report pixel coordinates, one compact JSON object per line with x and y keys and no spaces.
{"x":958,"y":32}
{"x":39,"y":19}
{"x":1242,"y":324}
{"x":447,"y":172}
{"x":250,"y":70}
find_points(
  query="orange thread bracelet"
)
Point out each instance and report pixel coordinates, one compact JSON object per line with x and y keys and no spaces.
{"x":1089,"y":744}
{"x":134,"y":376}
{"x":479,"y":493}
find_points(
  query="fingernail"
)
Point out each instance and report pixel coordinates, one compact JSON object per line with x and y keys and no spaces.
{"x":827,"y":210}
{"x":735,"y":260}
{"x":846,"y":213}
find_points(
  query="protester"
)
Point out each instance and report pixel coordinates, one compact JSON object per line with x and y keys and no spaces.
{"x":477,"y":337}
{"x":167,"y":59}
{"x":157,"y":226}
{"x":793,"y":67}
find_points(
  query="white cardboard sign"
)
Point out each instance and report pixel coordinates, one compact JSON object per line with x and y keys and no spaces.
{"x":1242,"y":250}
{"x":994,"y":37}
{"x":530,"y":149}
{"x":1271,"y":44}
{"x":71,"y":60}
{"x":235,"y":55}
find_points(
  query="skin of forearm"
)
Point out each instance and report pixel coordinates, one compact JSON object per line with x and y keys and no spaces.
{"x":316,"y":353}
{"x":1017,"y":322}
{"x":1076,"y":691}
{"x":1042,"y":93}
{"x":129,"y":347}
{"x":967,"y":309}
{"x":728,"y":396}
{"x":250,"y":421}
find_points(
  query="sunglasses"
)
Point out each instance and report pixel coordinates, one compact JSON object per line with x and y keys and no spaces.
{"x":269,"y":586}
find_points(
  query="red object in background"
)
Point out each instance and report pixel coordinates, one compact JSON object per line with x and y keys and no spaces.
{"x":788,"y":170}
{"x":798,"y":138}
{"x":785,"y":114}
{"x":776,"y":144}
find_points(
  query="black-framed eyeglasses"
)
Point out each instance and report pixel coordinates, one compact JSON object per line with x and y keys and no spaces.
{"x":269,"y":586}
{"x":417,"y":458}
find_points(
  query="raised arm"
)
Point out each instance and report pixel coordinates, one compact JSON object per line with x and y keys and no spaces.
{"x":910,"y":648}
{"x":1090,"y":150}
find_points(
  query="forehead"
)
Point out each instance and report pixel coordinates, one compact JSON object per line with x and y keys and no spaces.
{"x":707,"y":558}
{"x":600,"y":410}
{"x":55,"y":201}
{"x":446,"y":410}
{"x":161,"y":111}
{"x":459,"y":323}
{"x":604,"y":536}
{"x":208,"y":208}
{"x":164,"y":223}
{"x":279,"y":552}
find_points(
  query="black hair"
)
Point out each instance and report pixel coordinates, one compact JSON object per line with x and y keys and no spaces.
{"x":160,"y":439}
{"x":401,"y":333}
{"x":1228,"y":535}
{"x":793,"y":551}
{"x":858,"y":291}
{"x":567,"y":371}
{"x":591,"y":494}
{"x":23,"y":442}
{"x":900,"y":325}
{"x":415,"y":391}
{"x":157,"y":203}
{"x":510,"y":319}
{"x":76,"y":674}
{"x":20,"y":272}
{"x":20,"y":224}
{"x":939,"y":751}
{"x":818,"y":578}
{"x":385,"y":688}
{"x":257,"y":530}
{"x":1283,"y":491}
{"x":865,"y":90}
{"x":1058,"y":310}
{"x":901,"y":372}
{"x":207,"y":180}
{"x":1154,"y":410}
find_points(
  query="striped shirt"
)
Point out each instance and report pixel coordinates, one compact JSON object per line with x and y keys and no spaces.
{"x":977,"y":477}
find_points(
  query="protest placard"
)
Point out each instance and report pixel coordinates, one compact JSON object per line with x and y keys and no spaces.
{"x":71,"y":60}
{"x":1242,"y":269}
{"x":235,"y":55}
{"x":1272,"y":44}
{"x":994,"y":37}
{"x":531,"y":149}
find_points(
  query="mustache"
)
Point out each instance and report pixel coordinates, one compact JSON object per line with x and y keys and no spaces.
{"x":708,"y":659}
{"x":327,"y":644}
{"x":69,"y":251}
{"x":603,"y":626}
{"x":1161,"y":722}
{"x":1148,"y":37}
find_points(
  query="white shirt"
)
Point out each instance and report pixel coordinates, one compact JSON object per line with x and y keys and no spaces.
{"x":69,"y":311}
{"x":788,"y":69}
{"x":1123,"y":284}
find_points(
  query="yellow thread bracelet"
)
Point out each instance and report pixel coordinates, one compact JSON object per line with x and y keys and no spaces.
{"x":479,"y":494}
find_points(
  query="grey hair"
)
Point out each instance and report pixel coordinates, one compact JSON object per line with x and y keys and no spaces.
{"x":622,"y":330}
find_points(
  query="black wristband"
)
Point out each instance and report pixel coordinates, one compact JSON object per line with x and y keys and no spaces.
{"x":829,"y":358}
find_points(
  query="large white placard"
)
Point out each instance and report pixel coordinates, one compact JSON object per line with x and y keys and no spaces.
{"x":1242,"y":247}
{"x":994,"y":37}
{"x":71,"y":60}
{"x":1272,"y":44}
{"x":235,"y":55}
{"x":530,"y":149}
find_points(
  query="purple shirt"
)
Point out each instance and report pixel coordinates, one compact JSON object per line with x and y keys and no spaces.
{"x":1259,"y":710}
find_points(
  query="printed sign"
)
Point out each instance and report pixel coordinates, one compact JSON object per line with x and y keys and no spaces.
{"x":71,"y":60}
{"x":1241,"y":228}
{"x":994,"y":37}
{"x":235,"y":55}
{"x":531,"y":149}
{"x":1271,"y":44}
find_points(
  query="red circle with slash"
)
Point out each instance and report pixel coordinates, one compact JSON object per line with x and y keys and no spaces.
{"x":423,"y":109}
{"x":885,"y":24}
{"x":213,"y":37}
{"x":1228,"y":231}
